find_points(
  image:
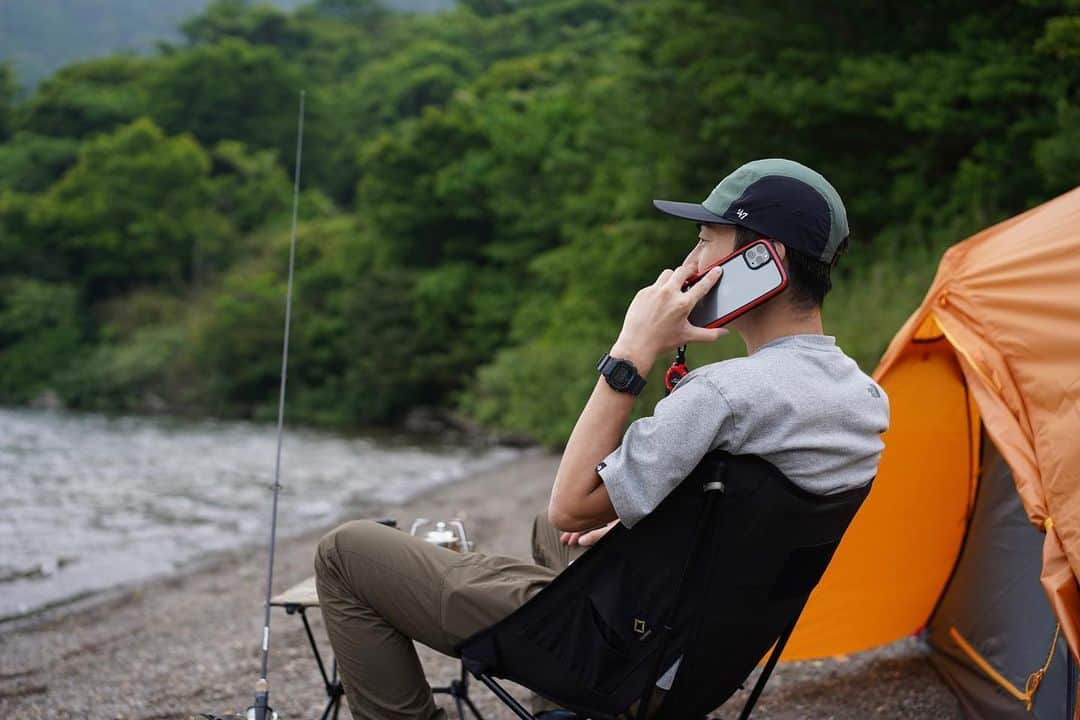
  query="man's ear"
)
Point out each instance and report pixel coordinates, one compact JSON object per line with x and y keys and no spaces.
{"x":780,"y":248}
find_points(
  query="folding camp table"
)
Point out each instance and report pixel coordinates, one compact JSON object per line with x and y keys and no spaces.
{"x":296,"y":601}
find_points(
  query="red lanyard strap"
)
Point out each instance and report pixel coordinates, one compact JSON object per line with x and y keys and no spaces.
{"x":677,"y":371}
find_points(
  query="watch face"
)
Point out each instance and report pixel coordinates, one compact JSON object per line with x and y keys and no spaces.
{"x":621,"y":375}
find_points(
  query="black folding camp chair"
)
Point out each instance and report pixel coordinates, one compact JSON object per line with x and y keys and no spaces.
{"x":712,"y":578}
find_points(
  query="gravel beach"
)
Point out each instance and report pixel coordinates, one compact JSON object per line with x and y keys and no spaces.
{"x":190,"y":643}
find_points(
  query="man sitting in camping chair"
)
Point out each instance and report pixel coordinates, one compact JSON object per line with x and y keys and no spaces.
{"x":796,"y":400}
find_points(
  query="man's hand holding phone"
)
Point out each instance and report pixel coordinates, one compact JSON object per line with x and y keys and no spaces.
{"x":657,"y":319}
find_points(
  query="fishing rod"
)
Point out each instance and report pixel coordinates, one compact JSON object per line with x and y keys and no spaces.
{"x":262,"y":685}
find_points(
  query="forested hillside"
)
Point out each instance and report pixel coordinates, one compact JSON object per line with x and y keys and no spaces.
{"x":39,"y":36}
{"x":476,"y":210}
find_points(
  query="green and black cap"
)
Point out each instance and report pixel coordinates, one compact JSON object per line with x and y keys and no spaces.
{"x":781,"y":199}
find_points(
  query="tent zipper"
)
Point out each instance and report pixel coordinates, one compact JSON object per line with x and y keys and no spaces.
{"x":967,"y":356}
{"x":1027,"y":695}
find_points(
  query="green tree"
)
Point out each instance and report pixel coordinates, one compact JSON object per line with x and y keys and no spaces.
{"x":228,"y":91}
{"x":89,"y":98}
{"x":40,"y":334}
{"x":1058,"y":155}
{"x":422,"y":221}
{"x":249,"y":186}
{"x":237,"y":343}
{"x":255,"y":24}
{"x":358,"y":12}
{"x":31,"y":163}
{"x":132,"y":210}
{"x":475,"y":207}
{"x":7,"y":97}
{"x":928,"y":125}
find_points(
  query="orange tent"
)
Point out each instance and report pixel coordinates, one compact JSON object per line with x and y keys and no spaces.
{"x":994,"y":347}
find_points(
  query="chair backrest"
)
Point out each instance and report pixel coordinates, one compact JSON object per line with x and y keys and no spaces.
{"x":713,"y":576}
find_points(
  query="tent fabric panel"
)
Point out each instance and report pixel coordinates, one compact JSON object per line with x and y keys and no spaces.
{"x":995,"y":603}
{"x":1011,"y":306}
{"x":1009,"y":302}
{"x":928,"y":330}
{"x":978,"y":700}
{"x":892,"y":565}
{"x":991,"y":389}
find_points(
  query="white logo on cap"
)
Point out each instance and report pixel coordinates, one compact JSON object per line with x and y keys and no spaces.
{"x":741,"y":213}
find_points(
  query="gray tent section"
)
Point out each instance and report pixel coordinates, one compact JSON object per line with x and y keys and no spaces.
{"x":995,"y":604}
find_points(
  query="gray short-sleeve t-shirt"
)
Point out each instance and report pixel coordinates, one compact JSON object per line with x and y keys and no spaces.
{"x":798,"y":402}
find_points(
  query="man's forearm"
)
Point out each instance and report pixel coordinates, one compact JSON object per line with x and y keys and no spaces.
{"x":655,"y":322}
{"x":579,"y":500}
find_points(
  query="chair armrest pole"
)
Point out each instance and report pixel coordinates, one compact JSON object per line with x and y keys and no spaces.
{"x":706,"y":511}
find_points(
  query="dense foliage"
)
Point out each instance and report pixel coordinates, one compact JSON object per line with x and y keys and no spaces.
{"x":476,"y":213}
{"x":41,"y":36}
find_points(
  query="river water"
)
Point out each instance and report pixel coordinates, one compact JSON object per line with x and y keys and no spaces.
{"x":89,"y":502}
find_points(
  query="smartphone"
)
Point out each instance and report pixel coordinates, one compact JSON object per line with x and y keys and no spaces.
{"x":752,"y":275}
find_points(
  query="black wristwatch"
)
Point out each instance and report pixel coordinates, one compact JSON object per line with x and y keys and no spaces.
{"x":620,"y":374}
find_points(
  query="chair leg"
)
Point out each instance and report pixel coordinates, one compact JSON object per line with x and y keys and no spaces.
{"x":463,"y":693}
{"x":475,"y":711}
{"x":459,"y":690}
{"x":767,"y":670}
{"x":506,"y":697}
{"x":330,"y":710}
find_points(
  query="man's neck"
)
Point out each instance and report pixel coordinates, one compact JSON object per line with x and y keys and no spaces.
{"x":769,"y":322}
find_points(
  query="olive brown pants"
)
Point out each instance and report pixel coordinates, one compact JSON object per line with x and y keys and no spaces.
{"x":380,"y":589}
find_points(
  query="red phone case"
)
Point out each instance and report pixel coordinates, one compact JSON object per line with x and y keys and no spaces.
{"x":747,"y":307}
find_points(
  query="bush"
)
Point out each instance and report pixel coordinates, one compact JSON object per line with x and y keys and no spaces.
{"x":40,"y":335}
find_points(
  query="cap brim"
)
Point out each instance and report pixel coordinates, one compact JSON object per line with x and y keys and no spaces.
{"x":689,"y":211}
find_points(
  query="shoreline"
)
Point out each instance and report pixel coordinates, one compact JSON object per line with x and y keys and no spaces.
{"x":87,"y":600}
{"x":190,"y":642}
{"x":131,"y":512}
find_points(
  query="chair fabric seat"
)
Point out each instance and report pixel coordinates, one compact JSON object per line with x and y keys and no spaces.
{"x":711,"y":577}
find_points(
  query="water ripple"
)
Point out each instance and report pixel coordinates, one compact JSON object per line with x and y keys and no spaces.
{"x":88,"y":502}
